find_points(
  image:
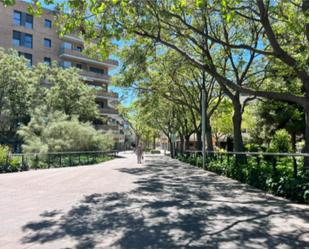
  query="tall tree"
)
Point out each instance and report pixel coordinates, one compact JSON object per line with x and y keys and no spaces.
{"x":16,"y":91}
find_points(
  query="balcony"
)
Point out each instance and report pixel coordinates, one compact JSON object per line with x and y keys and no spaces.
{"x":108,"y":111}
{"x":66,"y":53}
{"x":106,"y":95}
{"x":91,"y":76}
{"x":107,"y":127}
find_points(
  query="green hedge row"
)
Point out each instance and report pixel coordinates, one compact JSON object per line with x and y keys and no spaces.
{"x":15,"y":163}
{"x":277,"y":179}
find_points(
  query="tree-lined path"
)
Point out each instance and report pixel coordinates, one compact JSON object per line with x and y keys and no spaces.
{"x":162,"y":204}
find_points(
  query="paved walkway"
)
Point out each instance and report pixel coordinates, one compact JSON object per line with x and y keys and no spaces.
{"x":162,"y":204}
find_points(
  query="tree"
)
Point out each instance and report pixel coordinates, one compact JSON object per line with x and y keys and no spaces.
{"x":23,"y":89}
{"x":272,"y":30}
{"x":221,"y":121}
{"x":174,"y":79}
{"x":138,"y":123}
{"x":66,"y":92}
{"x":271,"y":117}
{"x":280,"y":37}
{"x":16,"y":88}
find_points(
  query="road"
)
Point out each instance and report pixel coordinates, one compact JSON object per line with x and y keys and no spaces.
{"x":161,"y":204}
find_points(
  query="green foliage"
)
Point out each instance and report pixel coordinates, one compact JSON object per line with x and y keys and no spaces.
{"x":52,"y":132}
{"x":22,"y":89}
{"x":155,"y":152}
{"x":221,"y":120}
{"x":66,"y":92}
{"x":44,"y":161}
{"x":7,"y":162}
{"x":16,"y":87}
{"x":260,"y":174}
{"x":281,"y":142}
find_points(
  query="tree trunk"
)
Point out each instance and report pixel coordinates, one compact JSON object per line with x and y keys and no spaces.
{"x":187,"y":142}
{"x":172,"y":150}
{"x":199,"y":145}
{"x":154,"y":142}
{"x":208,"y":131}
{"x":182,"y":141}
{"x":137,"y":141}
{"x":237,"y":120}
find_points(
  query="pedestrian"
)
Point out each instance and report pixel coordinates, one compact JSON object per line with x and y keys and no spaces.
{"x":139,"y":153}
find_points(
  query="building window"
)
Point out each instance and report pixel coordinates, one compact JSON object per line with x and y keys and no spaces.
{"x":79,"y":48}
{"x":101,"y":104}
{"x":28,"y":41}
{"x":96,"y":70}
{"x":22,"y":39}
{"x":47,"y":43}
{"x":48,"y":23}
{"x":47,"y":61}
{"x":17,"y":17}
{"x":79,"y":66}
{"x":28,"y":57}
{"x":16,"y":38}
{"x":67,"y":64}
{"x":67,"y":45}
{"x":29,"y":21}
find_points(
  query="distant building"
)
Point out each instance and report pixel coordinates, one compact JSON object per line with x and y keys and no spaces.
{"x":37,"y":39}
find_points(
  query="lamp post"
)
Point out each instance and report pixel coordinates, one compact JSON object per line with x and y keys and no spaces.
{"x":203,"y":128}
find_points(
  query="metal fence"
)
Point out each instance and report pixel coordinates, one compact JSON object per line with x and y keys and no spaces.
{"x":21,"y":162}
{"x":275,"y":160}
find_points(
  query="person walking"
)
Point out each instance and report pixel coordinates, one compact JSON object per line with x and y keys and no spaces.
{"x":139,"y":153}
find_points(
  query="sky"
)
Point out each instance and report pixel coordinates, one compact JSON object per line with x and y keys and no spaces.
{"x":126,"y":96}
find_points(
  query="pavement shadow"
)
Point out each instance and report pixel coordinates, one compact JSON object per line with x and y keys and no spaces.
{"x":176,"y":206}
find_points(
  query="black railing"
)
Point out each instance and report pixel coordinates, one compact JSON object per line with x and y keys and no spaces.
{"x":26,"y":161}
{"x":282,"y":174}
{"x":274,"y":159}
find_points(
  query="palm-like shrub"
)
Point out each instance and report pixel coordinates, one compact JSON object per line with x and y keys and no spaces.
{"x":57,"y":132}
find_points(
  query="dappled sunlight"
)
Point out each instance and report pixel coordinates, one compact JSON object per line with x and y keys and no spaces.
{"x":174,"y":205}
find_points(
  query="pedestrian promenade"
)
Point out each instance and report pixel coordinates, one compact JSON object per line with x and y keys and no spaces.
{"x":162,"y":204}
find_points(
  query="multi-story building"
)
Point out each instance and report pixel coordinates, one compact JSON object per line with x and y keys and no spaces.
{"x":37,"y":39}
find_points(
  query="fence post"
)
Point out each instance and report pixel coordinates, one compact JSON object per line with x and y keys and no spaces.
{"x":7,"y":162}
{"x":70,"y":160}
{"x":48,"y":160}
{"x":36,"y":161}
{"x":23,"y":162}
{"x":60,"y":161}
{"x":295,"y":170}
{"x":258,"y":160}
{"x":274,"y":161}
{"x":236,"y":159}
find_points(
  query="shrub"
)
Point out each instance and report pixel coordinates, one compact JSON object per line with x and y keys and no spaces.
{"x":155,"y":152}
{"x":8,"y":163}
{"x":59,"y":133}
{"x":279,"y":181}
{"x":281,"y":142}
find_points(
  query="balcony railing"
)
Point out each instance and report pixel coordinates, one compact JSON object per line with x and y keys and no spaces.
{"x":107,"y":127}
{"x":66,"y":52}
{"x":97,"y":76}
{"x":104,"y":94}
{"x":108,"y":111}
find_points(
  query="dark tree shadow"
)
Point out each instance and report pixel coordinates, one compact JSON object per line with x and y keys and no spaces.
{"x":175,"y":206}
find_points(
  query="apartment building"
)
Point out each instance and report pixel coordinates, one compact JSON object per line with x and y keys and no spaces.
{"x":36,"y":38}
